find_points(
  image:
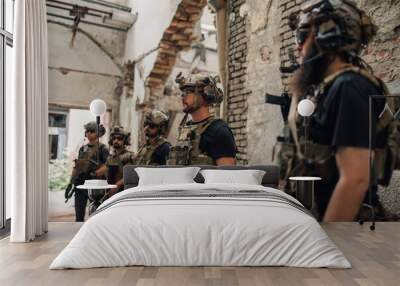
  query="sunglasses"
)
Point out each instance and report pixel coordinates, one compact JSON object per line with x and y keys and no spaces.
{"x":119,"y":138}
{"x":150,"y":125}
{"x":90,"y":131}
{"x":302,"y":35}
{"x":187,"y":91}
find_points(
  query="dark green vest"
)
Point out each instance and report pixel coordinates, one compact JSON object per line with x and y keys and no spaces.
{"x":145,"y":153}
{"x":187,"y":150}
{"x":115,"y":164}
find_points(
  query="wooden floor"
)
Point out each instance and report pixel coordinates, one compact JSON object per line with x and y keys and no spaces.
{"x":375,"y":257}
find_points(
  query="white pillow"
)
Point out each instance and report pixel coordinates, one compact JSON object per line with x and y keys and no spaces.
{"x":164,"y":176}
{"x":248,"y":177}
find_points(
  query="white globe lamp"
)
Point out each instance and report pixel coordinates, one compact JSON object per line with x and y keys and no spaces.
{"x":305,"y":108}
{"x":98,"y":107}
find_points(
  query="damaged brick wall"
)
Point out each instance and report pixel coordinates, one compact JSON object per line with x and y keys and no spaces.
{"x":236,"y":107}
{"x":259,"y":38}
{"x":264,"y":121}
{"x":383,"y":54}
{"x":179,"y":36}
{"x":287,"y":8}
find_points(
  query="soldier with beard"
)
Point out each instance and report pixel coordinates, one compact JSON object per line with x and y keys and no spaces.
{"x":118,"y":158}
{"x":205,"y":139}
{"x":330,"y":36}
{"x":156,"y":149}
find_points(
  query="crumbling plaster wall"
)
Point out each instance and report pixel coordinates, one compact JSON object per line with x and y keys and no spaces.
{"x":237,"y":63}
{"x":264,"y":121}
{"x":153,"y":18}
{"x":258,"y":38}
{"x":186,"y":62}
{"x":82,"y":71}
{"x":384,"y":52}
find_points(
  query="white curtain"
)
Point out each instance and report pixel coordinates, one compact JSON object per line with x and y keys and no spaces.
{"x":27,"y":145}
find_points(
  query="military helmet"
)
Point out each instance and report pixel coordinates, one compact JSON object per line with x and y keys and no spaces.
{"x":338,"y":25}
{"x":92,"y":126}
{"x":119,"y":130}
{"x":203,"y":84}
{"x":158,"y":119}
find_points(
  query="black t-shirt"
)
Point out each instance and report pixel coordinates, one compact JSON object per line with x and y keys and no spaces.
{"x":217,"y":140}
{"x":342,"y":120}
{"x":342,"y":115}
{"x":161,"y":154}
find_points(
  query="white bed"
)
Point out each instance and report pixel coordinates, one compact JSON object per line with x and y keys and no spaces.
{"x":223,"y":225}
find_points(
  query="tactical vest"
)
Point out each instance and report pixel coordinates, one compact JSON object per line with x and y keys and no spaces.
{"x":187,"y":150}
{"x":115,"y":164}
{"x":86,"y":163}
{"x":146,"y":152}
{"x":320,"y":159}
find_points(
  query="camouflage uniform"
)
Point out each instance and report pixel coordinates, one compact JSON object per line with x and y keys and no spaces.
{"x":115,"y":164}
{"x":119,"y":157}
{"x":146,"y":153}
{"x":187,"y":150}
{"x":84,"y":169}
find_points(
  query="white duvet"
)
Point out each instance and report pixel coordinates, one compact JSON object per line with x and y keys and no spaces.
{"x":202,"y":231}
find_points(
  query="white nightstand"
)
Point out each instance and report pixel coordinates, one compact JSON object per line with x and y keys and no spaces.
{"x":97,"y":190}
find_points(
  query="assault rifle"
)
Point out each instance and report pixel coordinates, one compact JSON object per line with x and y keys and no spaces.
{"x":282,"y":100}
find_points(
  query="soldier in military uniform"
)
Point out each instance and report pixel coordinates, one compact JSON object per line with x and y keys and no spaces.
{"x":86,"y":166}
{"x":156,"y":149}
{"x":330,"y":36}
{"x":205,"y":139}
{"x":119,"y":157}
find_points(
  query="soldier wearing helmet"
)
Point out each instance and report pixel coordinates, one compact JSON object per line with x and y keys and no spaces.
{"x":330,"y":35}
{"x":119,"y":157}
{"x":205,"y":139}
{"x":86,"y":167}
{"x":156,"y":149}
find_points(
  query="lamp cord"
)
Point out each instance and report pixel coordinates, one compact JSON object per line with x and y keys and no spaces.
{"x":98,"y":141}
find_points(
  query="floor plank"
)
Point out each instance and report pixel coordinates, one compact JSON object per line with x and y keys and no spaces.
{"x":375,"y":257}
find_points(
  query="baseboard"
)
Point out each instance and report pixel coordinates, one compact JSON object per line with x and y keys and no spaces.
{"x":5,"y":231}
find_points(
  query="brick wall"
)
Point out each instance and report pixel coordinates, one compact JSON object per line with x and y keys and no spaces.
{"x":179,"y":36}
{"x":383,"y":54}
{"x":237,"y":65}
{"x":264,"y":121}
{"x":257,"y":47}
{"x":253,"y":70}
{"x":287,"y":8}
